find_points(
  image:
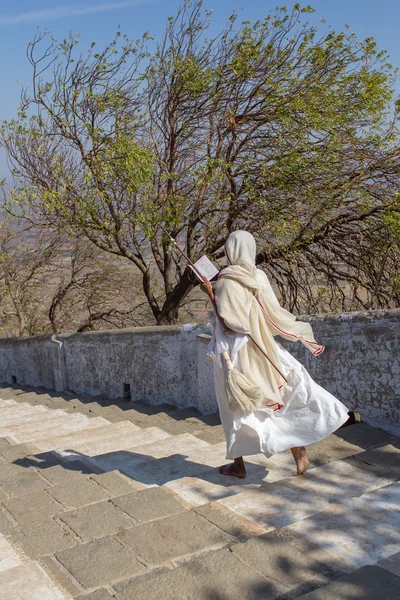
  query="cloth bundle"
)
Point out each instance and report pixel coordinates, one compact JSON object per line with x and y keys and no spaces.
{"x":242,"y":394}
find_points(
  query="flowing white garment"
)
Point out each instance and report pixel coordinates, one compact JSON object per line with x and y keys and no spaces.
{"x":309,"y":414}
{"x":249,"y":308}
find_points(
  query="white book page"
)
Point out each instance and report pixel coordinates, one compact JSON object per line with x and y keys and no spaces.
{"x":205,"y":267}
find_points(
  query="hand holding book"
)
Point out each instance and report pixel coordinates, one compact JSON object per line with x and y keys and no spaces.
{"x":204,"y":269}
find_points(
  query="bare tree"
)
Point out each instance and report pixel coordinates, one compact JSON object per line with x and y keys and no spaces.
{"x":25,"y":264}
{"x":96,"y":292}
{"x":57,"y":284}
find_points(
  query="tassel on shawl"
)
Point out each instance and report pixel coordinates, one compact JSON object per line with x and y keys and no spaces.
{"x":242,"y":394}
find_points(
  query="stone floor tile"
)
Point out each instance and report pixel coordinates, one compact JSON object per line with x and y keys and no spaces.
{"x":176,"y":538}
{"x":100,"y":562}
{"x":359,"y":531}
{"x":229,"y":521}
{"x":259,"y":470}
{"x":282,"y":503}
{"x":25,"y":482}
{"x":201,"y":490}
{"x":78,"y":493}
{"x":277,"y":467}
{"x":391,"y":563}
{"x":126,"y":438}
{"x":367,"y":583}
{"x":18,"y":451}
{"x":59,"y":402}
{"x":4,"y":402}
{"x":18,"y":413}
{"x":357,"y":462}
{"x":148,"y":505}
{"x":29,"y":582}
{"x":123,"y":461}
{"x":171,"y":425}
{"x":30,"y":421}
{"x":140,"y":419}
{"x":111,"y":413}
{"x":32,"y":507}
{"x":8,"y":392}
{"x":41,"y":538}
{"x":334,"y":447}
{"x":9,"y":558}
{"x":210,"y":436}
{"x":97,"y":595}
{"x":63,"y":472}
{"x":65,"y":425}
{"x":184,"y":443}
{"x":72,"y":440}
{"x":288,"y":558}
{"x":364,"y":436}
{"x":10,"y":471}
{"x":387,"y":457}
{"x":210,"y":456}
{"x":4,"y":443}
{"x":160,"y":471}
{"x":153,"y":409}
{"x":5,"y":520}
{"x":97,"y":520}
{"x":115,"y":483}
{"x":55,"y":572}
{"x":212,"y":576}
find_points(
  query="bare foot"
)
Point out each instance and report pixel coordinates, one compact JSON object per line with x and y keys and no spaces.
{"x":235,"y":469}
{"x":302,"y":462}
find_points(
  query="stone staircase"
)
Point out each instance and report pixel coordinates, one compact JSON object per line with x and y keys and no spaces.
{"x":102,"y":499}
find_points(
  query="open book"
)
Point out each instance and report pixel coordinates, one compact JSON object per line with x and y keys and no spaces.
{"x":204,"y":268}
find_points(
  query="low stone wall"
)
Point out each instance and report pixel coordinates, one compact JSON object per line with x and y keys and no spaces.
{"x":361,"y":364}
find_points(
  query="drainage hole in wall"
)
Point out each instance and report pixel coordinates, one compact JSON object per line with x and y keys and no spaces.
{"x":127,"y":391}
{"x":13,"y":379}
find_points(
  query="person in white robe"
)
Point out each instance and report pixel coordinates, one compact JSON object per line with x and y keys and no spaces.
{"x":295,"y":410}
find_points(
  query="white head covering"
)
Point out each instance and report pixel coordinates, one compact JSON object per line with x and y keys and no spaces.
{"x":240,"y":250}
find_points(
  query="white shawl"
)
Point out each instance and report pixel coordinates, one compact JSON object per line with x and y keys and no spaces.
{"x":240,"y":250}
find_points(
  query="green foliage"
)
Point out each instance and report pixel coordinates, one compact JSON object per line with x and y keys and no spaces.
{"x":272,"y":126}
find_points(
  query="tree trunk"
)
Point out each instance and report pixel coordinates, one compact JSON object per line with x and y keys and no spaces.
{"x":170,"y":310}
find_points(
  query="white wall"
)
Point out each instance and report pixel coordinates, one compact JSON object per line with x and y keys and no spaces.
{"x":361,"y":363}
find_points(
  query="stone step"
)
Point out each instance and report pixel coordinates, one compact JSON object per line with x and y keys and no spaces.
{"x":40,"y":413}
{"x":91,"y":436}
{"x":368,"y":583}
{"x":361,"y":530}
{"x":127,"y":437}
{"x":127,"y":462}
{"x":61,"y":425}
{"x":4,"y":403}
{"x":8,"y":557}
{"x":32,"y":419}
{"x":282,"y":503}
{"x":19,"y":413}
{"x":29,"y":581}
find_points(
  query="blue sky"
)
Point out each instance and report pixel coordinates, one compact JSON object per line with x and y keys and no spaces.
{"x":97,"y":20}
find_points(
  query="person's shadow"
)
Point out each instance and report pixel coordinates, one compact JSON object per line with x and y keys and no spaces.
{"x":145,"y":469}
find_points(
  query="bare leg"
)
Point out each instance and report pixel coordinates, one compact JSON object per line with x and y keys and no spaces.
{"x":235,"y":469}
{"x":302,"y":462}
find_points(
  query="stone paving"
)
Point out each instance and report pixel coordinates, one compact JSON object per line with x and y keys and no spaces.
{"x":105,"y":499}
